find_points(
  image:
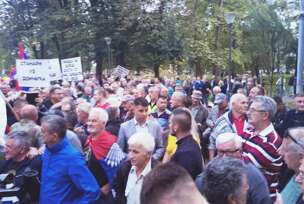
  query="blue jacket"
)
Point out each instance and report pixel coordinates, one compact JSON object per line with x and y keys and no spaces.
{"x":65,"y":177}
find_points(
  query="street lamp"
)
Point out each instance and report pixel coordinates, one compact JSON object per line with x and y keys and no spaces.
{"x":108,"y":42}
{"x":229,"y":18}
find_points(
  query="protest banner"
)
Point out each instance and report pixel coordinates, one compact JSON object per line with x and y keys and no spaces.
{"x":120,"y":71}
{"x":71,"y":69}
{"x":37,"y":72}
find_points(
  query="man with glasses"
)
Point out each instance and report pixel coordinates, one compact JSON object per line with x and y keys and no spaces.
{"x":292,"y":151}
{"x":230,"y":145}
{"x":261,"y":144}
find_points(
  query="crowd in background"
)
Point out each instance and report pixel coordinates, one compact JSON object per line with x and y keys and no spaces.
{"x":136,"y":140}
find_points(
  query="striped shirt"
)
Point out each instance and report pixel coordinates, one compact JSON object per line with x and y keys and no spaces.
{"x":262,"y":150}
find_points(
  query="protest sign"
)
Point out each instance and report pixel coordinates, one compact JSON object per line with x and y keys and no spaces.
{"x":120,"y":71}
{"x":37,"y":72}
{"x":72,"y":69}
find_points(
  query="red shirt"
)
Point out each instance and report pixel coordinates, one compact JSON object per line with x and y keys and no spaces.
{"x":239,"y":123}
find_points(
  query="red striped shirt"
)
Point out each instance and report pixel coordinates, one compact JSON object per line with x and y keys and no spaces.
{"x":262,"y":150}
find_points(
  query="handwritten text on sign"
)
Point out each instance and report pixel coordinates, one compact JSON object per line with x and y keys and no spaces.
{"x":72,"y":69}
{"x":37,"y":72}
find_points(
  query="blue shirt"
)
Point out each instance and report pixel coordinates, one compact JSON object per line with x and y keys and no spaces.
{"x":65,"y":177}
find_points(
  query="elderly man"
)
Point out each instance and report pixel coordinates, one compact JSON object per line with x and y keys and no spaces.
{"x":55,"y":96}
{"x":141,"y":123}
{"x":65,"y":177}
{"x":225,"y":181}
{"x":27,"y":123}
{"x":188,"y":153}
{"x":81,"y":128}
{"x":256,"y":91}
{"x":262,"y":143}
{"x":232,"y":121}
{"x":230,"y":145}
{"x":300,"y":180}
{"x":178,"y":100}
{"x":292,"y":151}
{"x":198,"y":110}
{"x":130,"y":175}
{"x":17,"y":146}
{"x":170,"y":183}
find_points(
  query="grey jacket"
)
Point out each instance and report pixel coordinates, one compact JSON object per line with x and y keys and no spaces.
{"x":127,"y":129}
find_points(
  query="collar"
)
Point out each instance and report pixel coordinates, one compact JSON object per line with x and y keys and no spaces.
{"x":267,"y":131}
{"x":59,"y":146}
{"x":183,"y":139}
{"x":144,"y":172}
{"x":234,"y":117}
{"x":137,"y":124}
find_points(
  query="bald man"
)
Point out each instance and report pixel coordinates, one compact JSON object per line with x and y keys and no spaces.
{"x":27,"y":123}
{"x":232,"y":121}
{"x":177,"y":100}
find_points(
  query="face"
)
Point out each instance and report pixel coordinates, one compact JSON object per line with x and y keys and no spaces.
{"x":82,"y":116}
{"x":290,"y":156}
{"x":161,"y":104}
{"x":164,"y":92}
{"x":300,"y":176}
{"x":241,"y":105}
{"x":57,"y":95}
{"x":47,"y":138}
{"x":195,"y":101}
{"x":95,"y":125}
{"x":299,"y":103}
{"x":138,"y":155}
{"x":97,"y":97}
{"x":223,"y":105}
{"x":174,"y":102}
{"x":256,"y":114}
{"x":228,"y":149}
{"x":253,"y":93}
{"x":141,"y":113}
{"x":12,"y":151}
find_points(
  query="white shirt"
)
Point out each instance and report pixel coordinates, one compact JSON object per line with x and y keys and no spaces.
{"x":134,"y":184}
{"x":141,"y":128}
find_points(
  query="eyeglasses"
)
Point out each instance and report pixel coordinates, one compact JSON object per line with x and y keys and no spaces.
{"x":294,"y":140}
{"x":226,"y":152}
{"x":256,"y":110}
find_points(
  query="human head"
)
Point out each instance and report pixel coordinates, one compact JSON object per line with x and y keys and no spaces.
{"x":180,"y":121}
{"x":18,"y":105}
{"x":216,"y":90}
{"x":113,"y":113}
{"x":221,"y":100}
{"x":225,"y":181}
{"x":261,"y":111}
{"x":300,"y":175}
{"x":70,"y":118}
{"x":292,"y":149}
{"x":141,"y":146}
{"x":17,"y":145}
{"x":97,"y":121}
{"x":177,"y":100}
{"x":67,"y":104}
{"x":162,"y":103}
{"x":154,"y":93}
{"x":53,"y":128}
{"x":163,"y":92}
{"x":88,"y":90}
{"x":170,"y":184}
{"x":56,"y":94}
{"x":239,"y":104}
{"x":82,"y":111}
{"x":280,"y":104}
{"x":299,"y":102}
{"x":250,"y":83}
{"x":29,"y":112}
{"x":256,"y":91}
{"x":141,"y":109}
{"x":100,"y":95}
{"x":229,"y":144}
{"x":196,"y":97}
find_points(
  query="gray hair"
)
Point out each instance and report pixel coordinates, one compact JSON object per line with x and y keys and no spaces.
{"x":227,"y":137}
{"x":269,"y":105}
{"x":144,"y":139}
{"x":234,"y":98}
{"x":222,"y":178}
{"x":84,"y":106}
{"x":102,"y":114}
{"x":55,"y":124}
{"x":21,"y":138}
{"x":298,"y":134}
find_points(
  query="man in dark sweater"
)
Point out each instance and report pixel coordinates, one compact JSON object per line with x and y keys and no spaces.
{"x":188,"y":153}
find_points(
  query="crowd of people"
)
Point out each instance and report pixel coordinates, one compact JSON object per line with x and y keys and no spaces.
{"x":133,"y":140}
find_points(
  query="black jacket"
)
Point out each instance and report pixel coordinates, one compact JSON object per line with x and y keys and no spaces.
{"x":121,"y":179}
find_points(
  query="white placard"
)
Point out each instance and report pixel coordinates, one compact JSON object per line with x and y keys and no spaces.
{"x":120,"y":71}
{"x":37,"y":72}
{"x":72,"y":69}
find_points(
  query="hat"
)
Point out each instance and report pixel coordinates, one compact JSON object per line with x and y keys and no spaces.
{"x":219,"y":98}
{"x":128,"y":98}
{"x":197,"y":94}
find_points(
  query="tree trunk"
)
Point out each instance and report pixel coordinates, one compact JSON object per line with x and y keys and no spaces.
{"x":198,"y":69}
{"x":156,"y":70}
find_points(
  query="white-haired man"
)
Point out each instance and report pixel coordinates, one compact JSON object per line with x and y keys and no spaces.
{"x":230,"y":145}
{"x":231,"y":121}
{"x":130,"y":175}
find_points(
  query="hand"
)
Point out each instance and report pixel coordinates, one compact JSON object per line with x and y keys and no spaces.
{"x":279,"y":199}
{"x":79,"y":130}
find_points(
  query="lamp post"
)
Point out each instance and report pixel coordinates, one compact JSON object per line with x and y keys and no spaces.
{"x":229,"y":18}
{"x":108,"y":42}
{"x":300,"y":64}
